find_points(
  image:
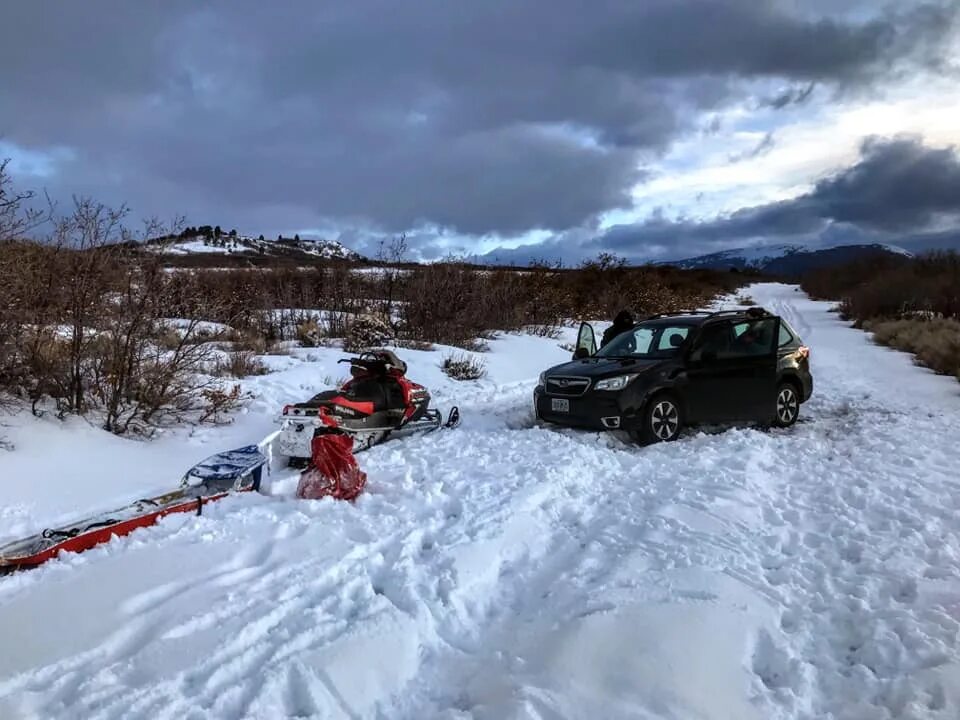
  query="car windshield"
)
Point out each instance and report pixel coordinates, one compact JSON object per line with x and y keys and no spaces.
{"x":646,"y":341}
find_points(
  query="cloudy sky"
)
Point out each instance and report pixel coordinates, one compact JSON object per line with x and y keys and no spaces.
{"x":653,"y":128}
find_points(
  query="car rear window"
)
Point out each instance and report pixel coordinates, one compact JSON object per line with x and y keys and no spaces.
{"x":787,"y":333}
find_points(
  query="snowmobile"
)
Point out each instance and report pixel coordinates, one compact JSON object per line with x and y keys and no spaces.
{"x":378,"y":402}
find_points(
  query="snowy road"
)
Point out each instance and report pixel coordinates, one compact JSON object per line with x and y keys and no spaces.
{"x":505,"y":570}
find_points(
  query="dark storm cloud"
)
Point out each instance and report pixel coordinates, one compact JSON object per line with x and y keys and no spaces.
{"x":898,"y":190}
{"x":791,"y":96}
{"x":493,"y":117}
{"x":897,"y":186}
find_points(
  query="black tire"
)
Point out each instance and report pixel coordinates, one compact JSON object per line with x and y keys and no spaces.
{"x":787,"y":407}
{"x":662,"y":421}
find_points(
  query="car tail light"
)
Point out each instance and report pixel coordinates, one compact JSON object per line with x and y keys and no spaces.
{"x":286,"y":409}
{"x":804,"y":352}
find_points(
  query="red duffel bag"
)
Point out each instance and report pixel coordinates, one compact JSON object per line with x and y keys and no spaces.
{"x":333,"y":470}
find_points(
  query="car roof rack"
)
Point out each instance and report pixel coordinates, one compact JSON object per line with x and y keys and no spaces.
{"x":678,"y":313}
{"x":755,"y":311}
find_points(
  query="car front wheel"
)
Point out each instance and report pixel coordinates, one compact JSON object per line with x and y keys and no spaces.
{"x":788,"y":405}
{"x":662,"y":421}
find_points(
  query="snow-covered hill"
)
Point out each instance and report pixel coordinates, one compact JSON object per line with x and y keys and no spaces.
{"x":241,"y":244}
{"x":786,"y":259}
{"x":510,"y":570}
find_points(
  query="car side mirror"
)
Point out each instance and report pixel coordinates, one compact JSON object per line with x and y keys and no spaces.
{"x":580,"y":353}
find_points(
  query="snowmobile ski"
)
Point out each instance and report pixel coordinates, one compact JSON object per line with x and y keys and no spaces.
{"x":214,"y":478}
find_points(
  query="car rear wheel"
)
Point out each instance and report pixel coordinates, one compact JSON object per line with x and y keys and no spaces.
{"x":788,"y":405}
{"x":662,"y":421}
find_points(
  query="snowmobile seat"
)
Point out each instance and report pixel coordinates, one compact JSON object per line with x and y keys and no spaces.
{"x":369,"y":390}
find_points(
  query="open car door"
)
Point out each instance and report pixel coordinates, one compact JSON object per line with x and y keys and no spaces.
{"x":586,"y":342}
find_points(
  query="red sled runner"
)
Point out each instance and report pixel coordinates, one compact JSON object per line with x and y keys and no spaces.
{"x":216,"y":477}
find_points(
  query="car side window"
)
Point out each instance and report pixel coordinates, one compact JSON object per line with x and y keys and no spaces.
{"x":752,"y":338}
{"x":786,"y":337}
{"x":713,"y":341}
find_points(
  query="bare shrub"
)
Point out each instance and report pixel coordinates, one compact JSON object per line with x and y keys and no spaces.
{"x":935,"y":343}
{"x":219,"y":402}
{"x":240,"y":365}
{"x":309,"y":333}
{"x":551,"y":332}
{"x":892,"y":287}
{"x":279,"y":348}
{"x":477,"y":345}
{"x":460,"y":366}
{"x":367,"y":332}
{"x":746,"y":301}
{"x":248,"y":341}
{"x":414,"y":344}
{"x":168,"y":339}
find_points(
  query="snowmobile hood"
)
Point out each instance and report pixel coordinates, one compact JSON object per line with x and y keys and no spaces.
{"x":598,"y":367}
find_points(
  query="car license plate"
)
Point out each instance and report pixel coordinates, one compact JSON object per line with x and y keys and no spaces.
{"x":558,"y":405}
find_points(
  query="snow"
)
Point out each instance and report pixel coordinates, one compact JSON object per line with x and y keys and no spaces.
{"x":243,"y":243}
{"x":757,"y":256}
{"x":510,"y":570}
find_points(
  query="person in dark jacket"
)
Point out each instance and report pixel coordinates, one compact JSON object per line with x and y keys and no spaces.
{"x":623,"y":321}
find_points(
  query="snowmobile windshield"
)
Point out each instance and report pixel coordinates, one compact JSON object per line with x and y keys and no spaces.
{"x":646,"y":341}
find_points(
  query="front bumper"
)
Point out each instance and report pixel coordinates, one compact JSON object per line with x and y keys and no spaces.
{"x":592,"y":411}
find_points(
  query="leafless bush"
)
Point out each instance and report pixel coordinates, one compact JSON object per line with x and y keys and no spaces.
{"x":247,"y":341}
{"x":367,"y":332}
{"x":935,"y":343}
{"x":240,"y":365}
{"x":309,"y":333}
{"x":414,"y":344}
{"x":219,"y":402}
{"x":549,"y":331}
{"x":279,"y":348}
{"x":892,"y":287}
{"x":464,"y":367}
{"x":477,"y":345}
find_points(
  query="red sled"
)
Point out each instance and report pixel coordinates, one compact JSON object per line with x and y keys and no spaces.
{"x":216,"y":477}
{"x":333,"y":470}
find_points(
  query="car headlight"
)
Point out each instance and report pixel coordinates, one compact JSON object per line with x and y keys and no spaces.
{"x":543,"y":379}
{"x":615,"y":383}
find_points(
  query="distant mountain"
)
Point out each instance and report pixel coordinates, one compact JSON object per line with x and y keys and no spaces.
{"x":183,"y":246}
{"x":789,"y":260}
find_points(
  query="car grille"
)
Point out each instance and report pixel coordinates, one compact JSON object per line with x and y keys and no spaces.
{"x":567,"y":386}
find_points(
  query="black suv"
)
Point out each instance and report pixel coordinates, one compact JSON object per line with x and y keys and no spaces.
{"x":677,"y":369}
